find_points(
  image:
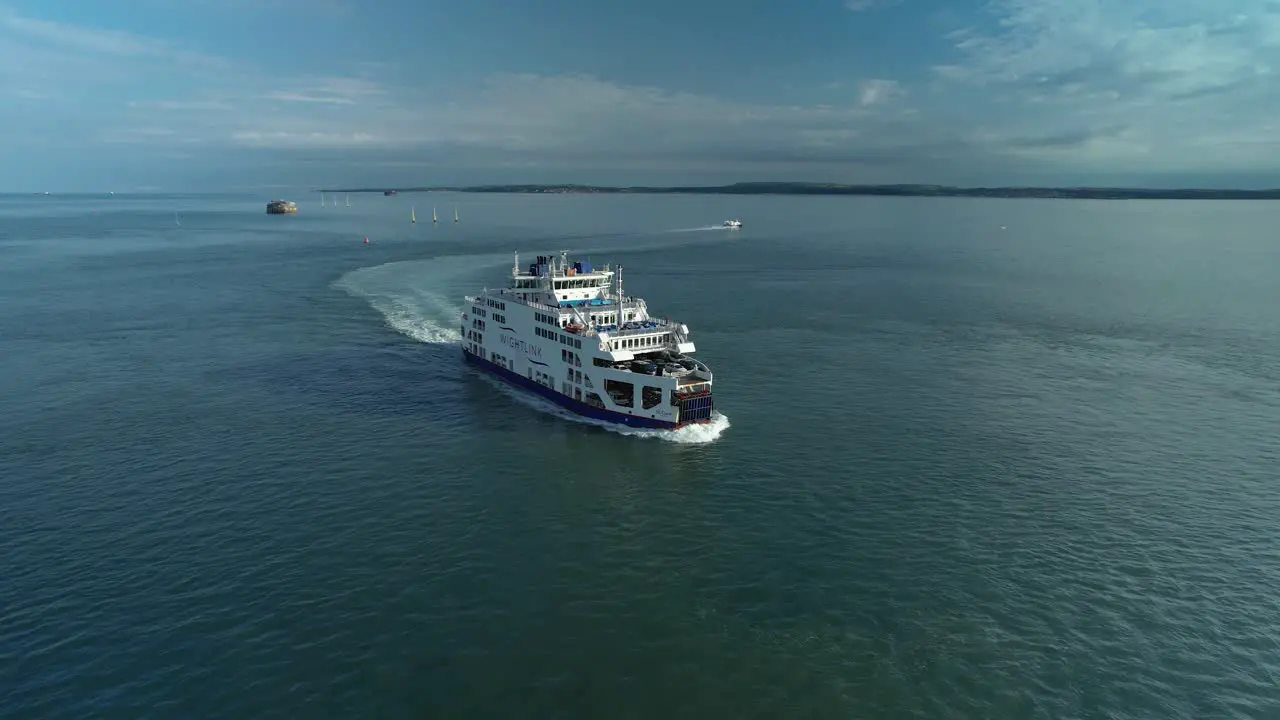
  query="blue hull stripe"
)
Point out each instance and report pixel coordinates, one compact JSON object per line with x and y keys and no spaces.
{"x":565,"y":401}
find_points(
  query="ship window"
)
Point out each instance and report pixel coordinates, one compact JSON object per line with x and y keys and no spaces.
{"x":623,"y":393}
{"x":652,"y":397}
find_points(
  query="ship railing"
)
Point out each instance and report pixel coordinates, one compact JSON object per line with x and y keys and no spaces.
{"x":580,"y":314}
{"x":659,"y":326}
{"x":508,"y":296}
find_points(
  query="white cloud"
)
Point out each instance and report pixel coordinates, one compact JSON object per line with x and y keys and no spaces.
{"x":179,"y":105}
{"x":98,"y":41}
{"x":299,"y":97}
{"x":284,"y":139}
{"x":865,"y":5}
{"x":130,"y":135}
{"x":108,"y":42}
{"x":1073,"y":85}
{"x":1173,"y":76}
{"x":584,"y":114}
{"x":874,"y":92}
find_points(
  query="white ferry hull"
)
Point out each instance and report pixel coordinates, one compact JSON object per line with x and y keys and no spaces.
{"x":576,"y":406}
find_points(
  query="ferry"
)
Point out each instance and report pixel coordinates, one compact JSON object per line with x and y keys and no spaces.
{"x":568,"y":333}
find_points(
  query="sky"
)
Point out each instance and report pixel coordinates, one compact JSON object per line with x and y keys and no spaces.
{"x":229,"y":94}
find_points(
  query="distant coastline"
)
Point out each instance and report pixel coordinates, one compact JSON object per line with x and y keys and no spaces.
{"x":802,"y":188}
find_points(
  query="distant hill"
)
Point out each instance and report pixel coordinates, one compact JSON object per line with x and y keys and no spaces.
{"x":803,"y":188}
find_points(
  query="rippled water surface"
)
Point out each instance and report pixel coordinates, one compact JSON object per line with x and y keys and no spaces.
{"x":963,"y":470}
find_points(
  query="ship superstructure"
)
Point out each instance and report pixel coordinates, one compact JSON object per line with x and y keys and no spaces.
{"x":567,"y":332}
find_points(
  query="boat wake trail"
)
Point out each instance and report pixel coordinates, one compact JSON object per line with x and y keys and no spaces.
{"x":414,"y":296}
{"x":703,"y":228}
{"x":418,"y":298}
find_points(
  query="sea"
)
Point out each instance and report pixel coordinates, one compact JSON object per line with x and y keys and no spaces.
{"x":973,"y":458}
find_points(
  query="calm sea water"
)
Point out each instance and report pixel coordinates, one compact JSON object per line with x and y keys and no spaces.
{"x":978,"y":459}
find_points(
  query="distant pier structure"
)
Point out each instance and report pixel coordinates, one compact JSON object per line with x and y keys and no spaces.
{"x":281,"y":207}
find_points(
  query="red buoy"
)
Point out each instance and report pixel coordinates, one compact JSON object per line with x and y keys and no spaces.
{"x":366,"y":241}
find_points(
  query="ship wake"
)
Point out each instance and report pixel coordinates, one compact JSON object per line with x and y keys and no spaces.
{"x":701,"y":228}
{"x":414,"y":296}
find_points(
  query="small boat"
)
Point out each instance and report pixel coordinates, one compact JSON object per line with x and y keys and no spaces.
{"x":732,"y":223}
{"x":388,"y":193}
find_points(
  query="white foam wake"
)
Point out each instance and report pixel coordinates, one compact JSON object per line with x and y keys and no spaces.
{"x":413,"y":298}
{"x":703,"y":228}
{"x":419,"y":297}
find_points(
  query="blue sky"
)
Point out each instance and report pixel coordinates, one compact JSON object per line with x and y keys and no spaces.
{"x":217,"y":94}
